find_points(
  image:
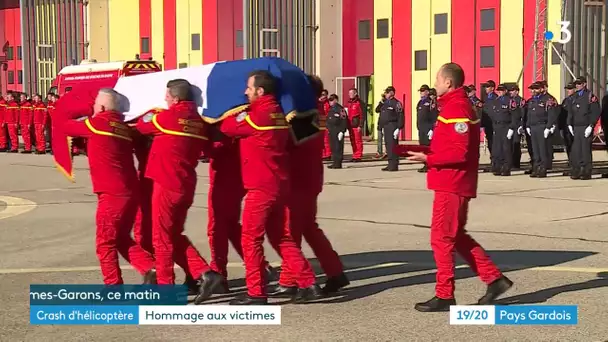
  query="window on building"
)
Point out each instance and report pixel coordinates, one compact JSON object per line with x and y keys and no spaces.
{"x":145,"y":45}
{"x":364,"y":30}
{"x":382,"y":28}
{"x":486,"y":57}
{"x":196,"y":41}
{"x":238,"y":39}
{"x":441,"y":23}
{"x":20,"y":77}
{"x":420,"y":60}
{"x":19,"y":53}
{"x":10,"y":77}
{"x":555,"y":60}
{"x":10,"y":53}
{"x":183,"y":65}
{"x":487,"y":19}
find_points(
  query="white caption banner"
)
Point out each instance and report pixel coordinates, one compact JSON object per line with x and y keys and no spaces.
{"x":209,"y":315}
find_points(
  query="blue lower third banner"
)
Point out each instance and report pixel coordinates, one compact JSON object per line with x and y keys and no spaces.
{"x":122,"y":295}
{"x":514,"y":315}
{"x":154,"y":315}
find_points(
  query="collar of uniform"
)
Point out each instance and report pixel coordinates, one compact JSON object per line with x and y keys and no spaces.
{"x":109,"y":114}
{"x":184,"y":105}
{"x":454,"y":94}
{"x":354,"y":99}
{"x":262,"y":102}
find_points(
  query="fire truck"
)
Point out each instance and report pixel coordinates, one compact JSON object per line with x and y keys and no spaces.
{"x":104,"y":75}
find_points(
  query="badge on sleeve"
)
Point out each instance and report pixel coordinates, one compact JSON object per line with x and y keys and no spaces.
{"x":241,"y":117}
{"x":461,"y":127}
{"x":148,"y":117}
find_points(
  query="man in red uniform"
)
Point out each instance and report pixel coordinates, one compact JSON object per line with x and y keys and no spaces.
{"x":179,"y":137}
{"x":324,"y":100}
{"x":115,"y":182}
{"x":40,"y":121}
{"x":3,"y":134}
{"x":50,"y":107}
{"x":453,"y":164}
{"x":264,"y":135}
{"x":11,"y":118}
{"x":26,"y":120}
{"x":355,"y":120}
{"x":306,"y":175}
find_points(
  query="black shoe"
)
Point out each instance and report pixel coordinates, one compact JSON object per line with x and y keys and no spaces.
{"x":280,"y":291}
{"x":542,"y":172}
{"x":435,"y":304}
{"x":334,"y":284}
{"x":222,"y":289}
{"x":423,"y":169}
{"x":192,"y":285}
{"x":204,"y":160}
{"x":334,"y":166}
{"x":534,"y":173}
{"x":585,"y":176}
{"x":389,"y":169}
{"x":150,"y":277}
{"x":2,"y":149}
{"x":357,"y":160}
{"x":271,"y":274}
{"x":528,"y":172}
{"x":26,"y":152}
{"x":505,"y":171}
{"x":210,"y":281}
{"x":13,"y":151}
{"x":40,"y":152}
{"x":304,"y":295}
{"x":497,"y":288}
{"x":245,"y":299}
{"x":575,"y":174}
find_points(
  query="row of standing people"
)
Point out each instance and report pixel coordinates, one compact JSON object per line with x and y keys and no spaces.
{"x":252,"y":160}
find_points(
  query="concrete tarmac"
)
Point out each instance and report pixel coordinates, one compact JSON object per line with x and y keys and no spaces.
{"x":548,"y":235}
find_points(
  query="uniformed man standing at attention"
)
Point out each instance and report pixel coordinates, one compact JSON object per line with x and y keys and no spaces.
{"x":542,"y":113}
{"x":584,"y":113}
{"x":426,"y":117}
{"x":562,"y":121}
{"x":486,"y":120}
{"x":505,"y":121}
{"x":337,"y":124}
{"x":391,"y":120}
{"x":513,"y":89}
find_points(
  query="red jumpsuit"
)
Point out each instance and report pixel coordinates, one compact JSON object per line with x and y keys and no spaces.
{"x":11,"y":118}
{"x":3,"y":134}
{"x":179,"y":136}
{"x":306,"y":174}
{"x":26,"y":120}
{"x":323,"y":110}
{"x":453,"y":164}
{"x":40,"y":122}
{"x":265,"y":171}
{"x":355,"y":119}
{"x":224,"y":199}
{"x":114,"y":181}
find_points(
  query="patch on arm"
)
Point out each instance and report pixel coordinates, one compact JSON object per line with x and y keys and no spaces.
{"x":148,"y":117}
{"x":241,"y":117}
{"x":461,"y":127}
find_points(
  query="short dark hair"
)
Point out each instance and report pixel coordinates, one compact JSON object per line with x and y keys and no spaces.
{"x":325,"y":91}
{"x":334,"y":97}
{"x":454,"y":72}
{"x":317,"y":84}
{"x":354,"y":89}
{"x":180,"y":89}
{"x":265,"y":80}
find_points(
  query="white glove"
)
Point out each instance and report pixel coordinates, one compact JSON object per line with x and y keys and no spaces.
{"x":430,"y":134}
{"x":510,"y":134}
{"x":546,"y":132}
{"x":340,"y":136}
{"x":520,"y":130}
{"x":552,"y":129}
{"x":529,"y":132}
{"x":588,"y":132}
{"x":571,"y":130}
{"x":396,"y":133}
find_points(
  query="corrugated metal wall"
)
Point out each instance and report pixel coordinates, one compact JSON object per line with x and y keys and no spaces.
{"x":53,"y":37}
{"x":586,"y":52}
{"x":284,"y":28}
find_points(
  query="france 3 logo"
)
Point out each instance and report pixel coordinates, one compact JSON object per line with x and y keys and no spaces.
{"x":565,"y":34}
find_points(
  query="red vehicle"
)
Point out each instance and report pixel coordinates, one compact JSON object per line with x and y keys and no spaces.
{"x":101,"y":74}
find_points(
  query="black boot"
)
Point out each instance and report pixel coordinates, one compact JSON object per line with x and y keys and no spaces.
{"x":435,"y":304}
{"x":575,"y":173}
{"x":542,"y":172}
{"x":497,"y":288}
{"x":505,"y":171}
{"x":245,"y":299}
{"x":534,"y":172}
{"x":210,"y":281}
{"x":280,"y":291}
{"x":150,"y":277}
{"x":423,"y":169}
{"x":585,"y":174}
{"x":271,"y":274}
{"x":334,"y":284}
{"x":310,"y":293}
{"x":26,"y":152}
{"x":192,"y":285}
{"x":495,"y":170}
{"x":390,"y":169}
{"x":335,"y":166}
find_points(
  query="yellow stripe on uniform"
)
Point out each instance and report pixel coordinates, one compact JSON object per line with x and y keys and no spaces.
{"x":107,"y":134}
{"x":457,"y":120}
{"x":171,"y":132}
{"x":263,"y":128}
